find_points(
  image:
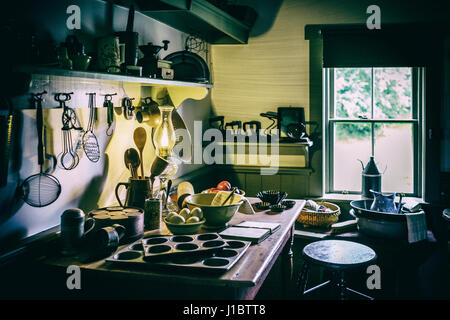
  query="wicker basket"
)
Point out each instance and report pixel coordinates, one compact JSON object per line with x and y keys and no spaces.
{"x":320,"y":219}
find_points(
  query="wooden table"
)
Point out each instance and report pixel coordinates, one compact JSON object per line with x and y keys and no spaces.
{"x":242,"y":281}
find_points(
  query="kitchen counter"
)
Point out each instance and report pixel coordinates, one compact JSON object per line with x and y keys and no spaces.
{"x":242,"y":281}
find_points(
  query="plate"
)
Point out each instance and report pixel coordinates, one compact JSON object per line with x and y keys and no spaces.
{"x":188,"y":66}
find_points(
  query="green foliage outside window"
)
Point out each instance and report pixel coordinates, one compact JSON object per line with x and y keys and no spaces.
{"x":392,"y":97}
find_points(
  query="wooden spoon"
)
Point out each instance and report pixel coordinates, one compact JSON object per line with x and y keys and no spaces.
{"x":140,"y":138}
{"x":132,"y":161}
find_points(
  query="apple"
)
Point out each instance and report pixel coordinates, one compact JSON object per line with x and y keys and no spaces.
{"x":224,"y":186}
{"x":213,"y":190}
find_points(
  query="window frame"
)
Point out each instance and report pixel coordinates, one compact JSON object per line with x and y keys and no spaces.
{"x":417,"y":121}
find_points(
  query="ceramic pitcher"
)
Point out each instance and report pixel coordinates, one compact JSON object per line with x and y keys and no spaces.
{"x":137,"y":191}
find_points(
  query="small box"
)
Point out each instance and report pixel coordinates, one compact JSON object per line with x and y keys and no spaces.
{"x":166,"y":73}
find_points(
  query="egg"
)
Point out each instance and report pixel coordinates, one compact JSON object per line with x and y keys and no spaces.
{"x":185,"y":213}
{"x":197,"y":212}
{"x":171,"y":213}
{"x":176,"y":219}
{"x":192,"y":220}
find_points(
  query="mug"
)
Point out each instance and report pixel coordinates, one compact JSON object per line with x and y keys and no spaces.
{"x":105,"y":241}
{"x":74,"y":229}
{"x":110,"y":54}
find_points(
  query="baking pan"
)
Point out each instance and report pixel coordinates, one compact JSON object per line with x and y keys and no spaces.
{"x":211,"y":261}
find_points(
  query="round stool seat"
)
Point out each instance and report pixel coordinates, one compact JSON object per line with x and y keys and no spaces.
{"x":338,"y":254}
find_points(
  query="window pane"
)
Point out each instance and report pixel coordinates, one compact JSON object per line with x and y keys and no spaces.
{"x":352,"y":92}
{"x":351,"y":142}
{"x":392,"y":93}
{"x":394,"y":151}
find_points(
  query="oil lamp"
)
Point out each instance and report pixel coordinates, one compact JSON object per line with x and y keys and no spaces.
{"x":164,"y":137}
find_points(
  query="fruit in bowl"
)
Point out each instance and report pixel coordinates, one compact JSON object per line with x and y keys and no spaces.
{"x":224,"y":186}
{"x":215,"y":217}
{"x":185,"y":222}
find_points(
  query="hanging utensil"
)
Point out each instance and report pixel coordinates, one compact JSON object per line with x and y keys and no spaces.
{"x":127,"y":104}
{"x":90,"y":142}
{"x":169,"y":186}
{"x":140,"y":138}
{"x":6,"y":122}
{"x":107,"y":103}
{"x":48,"y":156}
{"x":132,"y":161}
{"x":18,"y":84}
{"x":42,"y":189}
{"x":68,"y":158}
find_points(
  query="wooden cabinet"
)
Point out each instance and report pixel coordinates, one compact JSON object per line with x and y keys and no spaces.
{"x":294,"y":181}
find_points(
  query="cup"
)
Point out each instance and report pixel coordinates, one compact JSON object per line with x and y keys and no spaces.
{"x":110,"y":54}
{"x":74,"y":228}
{"x":105,"y":241}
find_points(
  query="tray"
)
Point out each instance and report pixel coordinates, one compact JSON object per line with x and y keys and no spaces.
{"x":215,"y":261}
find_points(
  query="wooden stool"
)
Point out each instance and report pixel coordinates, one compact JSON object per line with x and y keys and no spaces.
{"x":338,"y":256}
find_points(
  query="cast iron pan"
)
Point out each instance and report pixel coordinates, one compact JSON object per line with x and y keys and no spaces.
{"x":188,"y":66}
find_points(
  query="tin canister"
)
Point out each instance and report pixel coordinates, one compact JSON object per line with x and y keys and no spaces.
{"x":152,"y":213}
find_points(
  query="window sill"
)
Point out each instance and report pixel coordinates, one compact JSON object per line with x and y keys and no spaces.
{"x":351,"y":197}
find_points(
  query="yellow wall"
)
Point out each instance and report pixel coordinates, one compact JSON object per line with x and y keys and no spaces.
{"x":273,"y":69}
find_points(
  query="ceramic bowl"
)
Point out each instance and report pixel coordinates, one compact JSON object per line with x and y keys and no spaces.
{"x":271,"y":196}
{"x":185,"y":228}
{"x":216,"y":216}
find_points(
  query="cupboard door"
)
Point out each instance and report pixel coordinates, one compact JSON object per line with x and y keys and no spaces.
{"x":297,"y":186}
{"x":252,"y":184}
{"x":272,"y":182}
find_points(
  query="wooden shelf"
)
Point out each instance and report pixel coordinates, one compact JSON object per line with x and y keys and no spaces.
{"x":36,"y":70}
{"x":53,"y":79}
{"x":197,"y":17}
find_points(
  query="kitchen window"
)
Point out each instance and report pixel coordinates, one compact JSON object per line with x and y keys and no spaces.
{"x":374,"y":111}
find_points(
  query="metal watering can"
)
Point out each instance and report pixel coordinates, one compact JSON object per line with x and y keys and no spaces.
{"x":371,"y":178}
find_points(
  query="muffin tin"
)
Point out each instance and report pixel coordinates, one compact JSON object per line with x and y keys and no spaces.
{"x":158,"y":248}
{"x":213,"y":254}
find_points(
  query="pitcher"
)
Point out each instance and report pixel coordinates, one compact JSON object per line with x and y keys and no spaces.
{"x":137,"y":191}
